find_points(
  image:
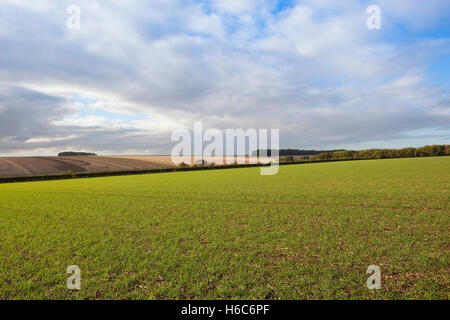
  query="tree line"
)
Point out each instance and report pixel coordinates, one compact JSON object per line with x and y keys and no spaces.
{"x":76,"y":154}
{"x":425,"y":151}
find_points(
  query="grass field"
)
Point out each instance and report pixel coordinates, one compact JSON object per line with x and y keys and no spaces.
{"x":309,"y":232}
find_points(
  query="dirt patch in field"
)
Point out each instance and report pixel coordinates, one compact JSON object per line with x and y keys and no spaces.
{"x":30,"y":166}
{"x":25,"y":166}
{"x":216,"y":160}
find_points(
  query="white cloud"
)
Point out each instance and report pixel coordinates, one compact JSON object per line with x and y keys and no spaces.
{"x":50,"y":139}
{"x":93,"y":122}
{"x":402,"y":82}
{"x":236,"y":6}
{"x":313,"y":70}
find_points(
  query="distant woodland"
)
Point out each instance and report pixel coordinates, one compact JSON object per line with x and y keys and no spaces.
{"x":426,"y":151}
{"x":75,"y":154}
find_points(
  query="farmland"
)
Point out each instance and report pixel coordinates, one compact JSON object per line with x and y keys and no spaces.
{"x":309,"y":232}
{"x":208,"y":159}
{"x":29,"y":166}
{"x":41,"y":166}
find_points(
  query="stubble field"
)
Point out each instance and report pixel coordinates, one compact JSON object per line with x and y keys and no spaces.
{"x":32,"y":166}
{"x":309,"y":232}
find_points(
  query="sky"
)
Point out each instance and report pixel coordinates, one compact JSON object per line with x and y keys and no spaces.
{"x":135,"y":71}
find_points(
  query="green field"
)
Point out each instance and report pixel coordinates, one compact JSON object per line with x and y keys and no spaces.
{"x":309,"y":232}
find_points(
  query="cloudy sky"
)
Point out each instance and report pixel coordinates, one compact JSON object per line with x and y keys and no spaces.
{"x":137,"y":70}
